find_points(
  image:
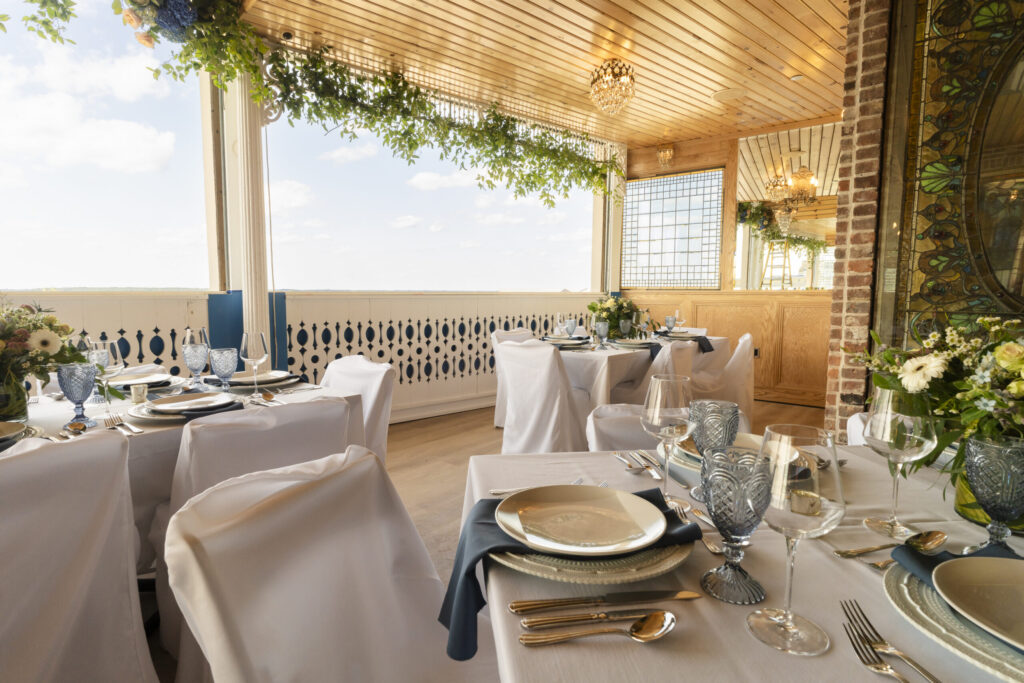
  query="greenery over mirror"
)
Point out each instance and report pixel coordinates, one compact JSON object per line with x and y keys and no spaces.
{"x":761,"y":220}
{"x":313,"y":87}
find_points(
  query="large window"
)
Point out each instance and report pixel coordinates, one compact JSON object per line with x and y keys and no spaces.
{"x":672,"y":231}
{"x":101,"y":174}
{"x":350,"y":216}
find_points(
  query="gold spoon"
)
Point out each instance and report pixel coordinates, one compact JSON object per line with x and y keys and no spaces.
{"x":924,"y":542}
{"x":643,"y":630}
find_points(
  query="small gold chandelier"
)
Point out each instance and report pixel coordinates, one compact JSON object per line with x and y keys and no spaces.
{"x":665,"y":155}
{"x":775,"y":190}
{"x":612,"y":86}
{"x":803,"y":187}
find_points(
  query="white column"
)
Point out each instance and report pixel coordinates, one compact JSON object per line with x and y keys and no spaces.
{"x":250,"y":253}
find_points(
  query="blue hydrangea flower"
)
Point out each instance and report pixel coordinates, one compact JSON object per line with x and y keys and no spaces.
{"x":174,"y":17}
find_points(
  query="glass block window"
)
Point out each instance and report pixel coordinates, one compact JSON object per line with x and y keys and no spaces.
{"x":824,"y":269}
{"x":672,"y":231}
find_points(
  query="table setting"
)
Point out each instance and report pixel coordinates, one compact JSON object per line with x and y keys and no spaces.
{"x":729,"y":599}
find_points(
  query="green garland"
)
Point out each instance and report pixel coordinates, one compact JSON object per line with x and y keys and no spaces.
{"x":312,"y":87}
{"x":761,"y":219}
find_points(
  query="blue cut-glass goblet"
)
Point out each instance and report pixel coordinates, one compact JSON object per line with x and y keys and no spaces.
{"x":77,"y":381}
{"x":224,"y":362}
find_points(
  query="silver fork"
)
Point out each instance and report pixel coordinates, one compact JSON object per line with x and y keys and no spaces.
{"x":111,"y":423}
{"x":874,"y":640}
{"x":869,"y":658}
{"x":121,"y":422}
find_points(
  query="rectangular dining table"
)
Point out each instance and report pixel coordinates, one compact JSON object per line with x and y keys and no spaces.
{"x":710,"y":641}
{"x":153,"y":454}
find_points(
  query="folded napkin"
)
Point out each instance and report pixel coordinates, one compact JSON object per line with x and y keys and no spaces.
{"x":213,"y":379}
{"x":922,"y":566}
{"x":203,"y":412}
{"x":703,"y":343}
{"x":152,"y":396}
{"x":482,"y":535}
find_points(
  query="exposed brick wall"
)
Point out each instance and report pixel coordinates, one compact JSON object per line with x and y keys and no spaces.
{"x":860,"y":158}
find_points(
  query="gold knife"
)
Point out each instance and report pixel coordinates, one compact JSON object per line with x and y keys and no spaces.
{"x":527,"y":606}
{"x":570,"y":619}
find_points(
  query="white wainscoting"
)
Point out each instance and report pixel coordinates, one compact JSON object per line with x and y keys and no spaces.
{"x":439,"y":343}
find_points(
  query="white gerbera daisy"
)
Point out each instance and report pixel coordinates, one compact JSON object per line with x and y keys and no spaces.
{"x":916,"y":373}
{"x":44,"y":340}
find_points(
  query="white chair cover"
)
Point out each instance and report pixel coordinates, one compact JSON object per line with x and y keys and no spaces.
{"x":616,"y":427}
{"x":69,"y":603}
{"x":313,"y":572}
{"x":375,"y":382}
{"x":674,"y":358}
{"x":855,"y":429}
{"x":219,"y":447}
{"x":735,"y":382}
{"x":519,"y":334}
{"x":545,"y":414}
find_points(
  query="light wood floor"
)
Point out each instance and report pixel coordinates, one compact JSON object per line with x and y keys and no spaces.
{"x":427,"y":460}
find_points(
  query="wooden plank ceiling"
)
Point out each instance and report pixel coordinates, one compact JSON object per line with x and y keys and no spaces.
{"x":763,"y":157}
{"x":534,"y":57}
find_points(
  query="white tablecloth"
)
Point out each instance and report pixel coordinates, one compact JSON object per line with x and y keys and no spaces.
{"x":710,"y":641}
{"x":152,"y":455}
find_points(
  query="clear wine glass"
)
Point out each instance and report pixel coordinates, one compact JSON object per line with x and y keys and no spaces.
{"x":77,"y":380}
{"x":195,"y":347}
{"x":806,"y":502}
{"x":902,"y":439}
{"x":559,"y":323}
{"x":223,"y":363}
{"x":570,"y":325}
{"x":107,"y":355}
{"x":254,"y":352}
{"x":666,"y":415}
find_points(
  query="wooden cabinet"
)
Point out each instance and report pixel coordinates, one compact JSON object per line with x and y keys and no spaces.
{"x":790,"y":329}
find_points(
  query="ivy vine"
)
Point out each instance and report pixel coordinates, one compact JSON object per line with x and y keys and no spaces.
{"x":311,"y":86}
{"x":760,"y":217}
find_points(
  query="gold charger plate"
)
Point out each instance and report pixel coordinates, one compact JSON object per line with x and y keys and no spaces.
{"x":645,"y":564}
{"x":583,"y":521}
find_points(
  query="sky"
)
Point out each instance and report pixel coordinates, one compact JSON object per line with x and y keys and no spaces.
{"x":101,"y":185}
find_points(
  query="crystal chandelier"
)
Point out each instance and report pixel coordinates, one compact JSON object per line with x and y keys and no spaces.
{"x":803,"y":187}
{"x":665,"y":155}
{"x":775,"y":189}
{"x":612,"y":86}
{"x":784,"y":216}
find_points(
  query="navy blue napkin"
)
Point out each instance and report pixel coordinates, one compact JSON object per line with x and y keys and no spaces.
{"x":203,"y":412}
{"x":482,"y":535}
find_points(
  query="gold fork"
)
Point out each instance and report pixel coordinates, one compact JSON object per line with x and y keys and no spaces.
{"x":863,"y":628}
{"x":869,"y":658}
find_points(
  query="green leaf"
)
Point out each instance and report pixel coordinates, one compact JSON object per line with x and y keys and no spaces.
{"x":116,"y":6}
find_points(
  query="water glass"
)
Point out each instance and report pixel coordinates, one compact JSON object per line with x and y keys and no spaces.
{"x":902,"y":439}
{"x":995,"y":472}
{"x":253,"y":351}
{"x":107,"y":355}
{"x":625,"y":326}
{"x":666,"y":415}
{"x":806,"y":502}
{"x":224,"y":362}
{"x":670,"y":322}
{"x":77,"y":381}
{"x":737,"y":490}
{"x":570,"y":325}
{"x":601,"y":330}
{"x":195,"y":348}
{"x":715,"y":425}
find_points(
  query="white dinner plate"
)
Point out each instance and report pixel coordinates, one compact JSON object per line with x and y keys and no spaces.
{"x":268,"y":378}
{"x":987,"y":590}
{"x":638,"y":343}
{"x":127,"y":380}
{"x":926,"y":610}
{"x":182,"y":402}
{"x":142,"y":412}
{"x":690,"y":459}
{"x":580,"y":520}
{"x":10,"y":430}
{"x":568,"y":342}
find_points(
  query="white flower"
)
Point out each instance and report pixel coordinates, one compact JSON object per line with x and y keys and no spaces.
{"x":916,"y":373}
{"x":44,"y":340}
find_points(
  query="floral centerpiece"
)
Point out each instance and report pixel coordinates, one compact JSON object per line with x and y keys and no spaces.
{"x":32,"y":342}
{"x":970,"y":379}
{"x":615,"y":309}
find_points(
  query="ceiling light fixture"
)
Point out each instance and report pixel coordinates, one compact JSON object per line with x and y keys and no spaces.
{"x":665,"y":155}
{"x":612,"y":86}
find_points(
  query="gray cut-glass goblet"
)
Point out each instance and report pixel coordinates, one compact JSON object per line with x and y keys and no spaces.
{"x":224,"y":362}
{"x":77,"y":380}
{"x":716,"y":424}
{"x":737,"y":490}
{"x":995,"y":472}
{"x":601,"y":330}
{"x":624,"y":327}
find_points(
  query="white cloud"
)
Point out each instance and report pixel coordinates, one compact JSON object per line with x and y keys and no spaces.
{"x":11,"y":176}
{"x":126,"y":77}
{"x":344,"y":155}
{"x":289,"y":194}
{"x":499,"y":219}
{"x":435,"y":181}
{"x":512,"y":200}
{"x":483,"y":201}
{"x":406,"y":221}
{"x":469,"y":244}
{"x":552,"y":218}
{"x":436,"y":227}
{"x":575,"y":236}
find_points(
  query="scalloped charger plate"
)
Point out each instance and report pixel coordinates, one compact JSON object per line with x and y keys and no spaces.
{"x":639,"y":566}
